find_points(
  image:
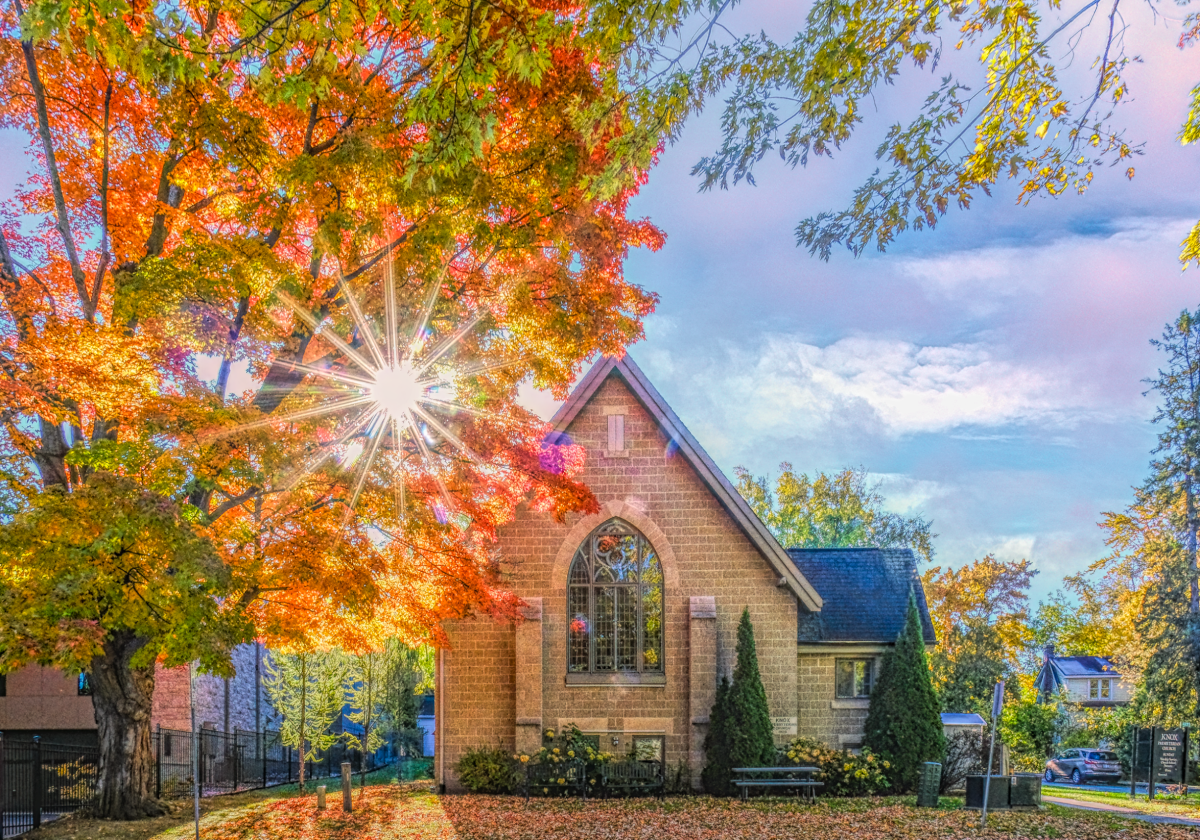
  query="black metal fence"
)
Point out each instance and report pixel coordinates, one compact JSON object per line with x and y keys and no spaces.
{"x":41,"y":781}
{"x":238,"y":760}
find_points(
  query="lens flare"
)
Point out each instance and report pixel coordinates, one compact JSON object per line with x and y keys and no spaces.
{"x":397,"y":390}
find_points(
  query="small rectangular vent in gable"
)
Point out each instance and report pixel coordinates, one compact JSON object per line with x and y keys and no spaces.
{"x":616,"y":432}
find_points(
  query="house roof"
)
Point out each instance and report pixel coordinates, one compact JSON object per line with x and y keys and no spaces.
{"x":865,"y":591}
{"x":1085,"y":666}
{"x":956,"y":719}
{"x":720,"y":486}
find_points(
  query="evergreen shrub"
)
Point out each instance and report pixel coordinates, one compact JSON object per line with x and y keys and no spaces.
{"x":904,"y":722}
{"x":740,"y":732}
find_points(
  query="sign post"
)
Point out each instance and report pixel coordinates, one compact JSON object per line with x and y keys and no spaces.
{"x":997,"y":707}
{"x":1137,"y":736}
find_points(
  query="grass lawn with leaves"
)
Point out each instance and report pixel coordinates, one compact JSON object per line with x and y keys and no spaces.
{"x":1177,"y":806}
{"x":409,"y":811}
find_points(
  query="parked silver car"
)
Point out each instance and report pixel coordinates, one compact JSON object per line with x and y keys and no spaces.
{"x":1084,"y":765}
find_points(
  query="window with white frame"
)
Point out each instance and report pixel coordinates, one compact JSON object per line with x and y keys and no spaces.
{"x":1100,"y":689}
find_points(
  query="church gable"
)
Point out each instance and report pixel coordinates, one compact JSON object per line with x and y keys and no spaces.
{"x":618,"y":415}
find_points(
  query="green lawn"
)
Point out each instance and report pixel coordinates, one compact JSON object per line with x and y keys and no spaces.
{"x":1180,"y":806}
{"x":393,"y":811}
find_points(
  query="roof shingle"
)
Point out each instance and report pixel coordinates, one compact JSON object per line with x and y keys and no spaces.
{"x":865,"y":594}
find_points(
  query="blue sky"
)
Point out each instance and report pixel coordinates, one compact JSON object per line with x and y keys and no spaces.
{"x":988,"y":373}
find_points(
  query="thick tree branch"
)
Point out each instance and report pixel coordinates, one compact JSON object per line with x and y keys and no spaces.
{"x":60,"y":202}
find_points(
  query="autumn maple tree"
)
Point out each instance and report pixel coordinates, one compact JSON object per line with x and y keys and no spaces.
{"x":291,"y":188}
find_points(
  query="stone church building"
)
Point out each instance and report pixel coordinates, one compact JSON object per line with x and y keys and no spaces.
{"x":631,"y":613}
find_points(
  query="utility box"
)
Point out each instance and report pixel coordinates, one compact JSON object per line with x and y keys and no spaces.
{"x":997,"y":793}
{"x":1025,"y":791}
{"x":927,"y":787}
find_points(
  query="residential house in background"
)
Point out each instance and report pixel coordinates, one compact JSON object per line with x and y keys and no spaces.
{"x":58,"y":706}
{"x":1086,"y":681}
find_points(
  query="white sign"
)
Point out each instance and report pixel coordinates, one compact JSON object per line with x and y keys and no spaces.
{"x":784,"y":725}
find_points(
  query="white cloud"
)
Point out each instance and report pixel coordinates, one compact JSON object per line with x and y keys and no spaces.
{"x":788,"y":387}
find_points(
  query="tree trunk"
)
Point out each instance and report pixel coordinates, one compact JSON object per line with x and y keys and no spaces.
{"x":122,"y":696}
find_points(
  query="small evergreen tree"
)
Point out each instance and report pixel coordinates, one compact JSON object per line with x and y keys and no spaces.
{"x":904,"y":723}
{"x":717,"y":769}
{"x":740,"y":732}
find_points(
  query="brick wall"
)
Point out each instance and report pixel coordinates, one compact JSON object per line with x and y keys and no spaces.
{"x":703,"y":552}
{"x":44,"y":699}
{"x":216,"y":707}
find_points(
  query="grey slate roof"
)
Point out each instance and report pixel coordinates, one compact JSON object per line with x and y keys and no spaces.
{"x":864,"y":591}
{"x":1085,"y":666}
{"x":1051,"y":679}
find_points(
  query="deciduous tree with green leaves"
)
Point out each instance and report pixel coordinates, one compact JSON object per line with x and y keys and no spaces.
{"x":831,"y":511}
{"x":997,"y":107}
{"x":366,"y":687}
{"x":308,"y":689}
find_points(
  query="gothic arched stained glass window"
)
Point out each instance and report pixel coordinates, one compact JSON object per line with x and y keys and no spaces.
{"x":615,"y":603}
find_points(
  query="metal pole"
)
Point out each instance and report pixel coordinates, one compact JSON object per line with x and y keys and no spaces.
{"x":195,"y":748}
{"x":997,"y":708}
{"x":37,"y":781}
{"x":1153,"y":757}
{"x":158,"y":764}
{"x":1137,"y":736}
{"x":3,"y":782}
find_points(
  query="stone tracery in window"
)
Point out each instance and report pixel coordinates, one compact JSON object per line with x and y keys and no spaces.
{"x":615,"y":603}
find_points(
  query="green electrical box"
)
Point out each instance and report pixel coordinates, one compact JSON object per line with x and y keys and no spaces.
{"x":927,"y":788}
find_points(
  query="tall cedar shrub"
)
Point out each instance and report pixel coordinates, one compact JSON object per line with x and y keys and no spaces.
{"x":740,"y":732}
{"x":715,"y":776}
{"x":904,"y":723}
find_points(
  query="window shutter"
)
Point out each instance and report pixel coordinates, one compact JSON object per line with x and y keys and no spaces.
{"x":616,"y":432}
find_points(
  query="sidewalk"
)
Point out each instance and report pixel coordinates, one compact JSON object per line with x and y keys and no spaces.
{"x":1132,"y":813}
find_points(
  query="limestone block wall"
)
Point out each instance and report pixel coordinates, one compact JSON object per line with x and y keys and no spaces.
{"x":821,"y":715}
{"x":703,"y":552}
{"x":237,"y":702}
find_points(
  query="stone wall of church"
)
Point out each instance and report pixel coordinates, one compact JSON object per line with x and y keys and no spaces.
{"x":821,"y":715}
{"x":704,"y":553}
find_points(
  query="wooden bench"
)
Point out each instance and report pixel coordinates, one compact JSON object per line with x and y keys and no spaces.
{"x":550,"y":778}
{"x":799,"y":779}
{"x":629,"y":777}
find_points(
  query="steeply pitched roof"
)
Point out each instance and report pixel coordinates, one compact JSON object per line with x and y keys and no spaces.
{"x":865,"y":591}
{"x":690,"y":449}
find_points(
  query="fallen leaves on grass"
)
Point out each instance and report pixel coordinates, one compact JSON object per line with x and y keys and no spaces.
{"x":387,"y":813}
{"x":703,"y":818}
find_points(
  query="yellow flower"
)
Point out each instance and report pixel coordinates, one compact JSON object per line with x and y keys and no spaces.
{"x":556,"y":750}
{"x":571,"y":753}
{"x":847,"y":768}
{"x":887,"y":765}
{"x":549,"y":733}
{"x":545,"y":790}
{"x":524,"y":759}
{"x":562,"y":781}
